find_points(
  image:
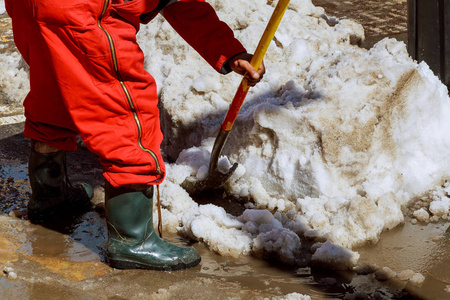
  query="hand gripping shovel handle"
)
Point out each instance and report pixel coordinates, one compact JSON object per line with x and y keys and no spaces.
{"x":256,"y":61}
{"x":243,"y":88}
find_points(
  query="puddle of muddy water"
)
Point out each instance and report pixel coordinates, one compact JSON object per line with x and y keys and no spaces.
{"x":14,"y":187}
{"x":423,"y":248}
{"x":12,"y":289}
{"x":68,"y":261}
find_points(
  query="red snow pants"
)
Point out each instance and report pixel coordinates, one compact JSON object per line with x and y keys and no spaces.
{"x":87,"y":77}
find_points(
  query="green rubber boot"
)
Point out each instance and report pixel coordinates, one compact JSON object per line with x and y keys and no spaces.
{"x":132,"y":240}
{"x":52,"y":194}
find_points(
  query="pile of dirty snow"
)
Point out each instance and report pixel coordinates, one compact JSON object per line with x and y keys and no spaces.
{"x":332,"y":145}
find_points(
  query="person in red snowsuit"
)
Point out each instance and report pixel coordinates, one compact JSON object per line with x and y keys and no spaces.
{"x":87,"y":78}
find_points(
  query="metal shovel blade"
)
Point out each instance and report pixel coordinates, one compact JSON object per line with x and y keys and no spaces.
{"x":215,"y":180}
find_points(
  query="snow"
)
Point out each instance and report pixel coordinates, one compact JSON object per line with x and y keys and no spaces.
{"x":385,"y":273}
{"x":329,"y":255}
{"x":14,"y":82}
{"x":336,"y":144}
{"x":417,"y":279}
{"x":293,"y":296}
{"x":339,"y":138}
{"x":421,"y":215}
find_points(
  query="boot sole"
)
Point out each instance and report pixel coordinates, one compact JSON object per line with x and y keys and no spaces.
{"x":124,"y":264}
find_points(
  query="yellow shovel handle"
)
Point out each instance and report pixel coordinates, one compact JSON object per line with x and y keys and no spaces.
{"x":256,"y":61}
{"x":269,"y":33}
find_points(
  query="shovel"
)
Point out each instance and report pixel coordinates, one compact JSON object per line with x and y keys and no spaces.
{"x":216,"y":178}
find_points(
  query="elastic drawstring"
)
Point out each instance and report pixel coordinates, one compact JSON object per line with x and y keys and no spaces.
{"x":158,"y":203}
{"x":68,"y":183}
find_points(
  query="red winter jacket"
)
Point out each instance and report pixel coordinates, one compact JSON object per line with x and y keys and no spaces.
{"x":87,"y":76}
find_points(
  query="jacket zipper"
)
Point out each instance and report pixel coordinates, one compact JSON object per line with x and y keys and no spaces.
{"x":124,"y":87}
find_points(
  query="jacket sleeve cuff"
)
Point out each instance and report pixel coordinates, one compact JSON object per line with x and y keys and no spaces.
{"x":147,"y":17}
{"x":225,"y":69}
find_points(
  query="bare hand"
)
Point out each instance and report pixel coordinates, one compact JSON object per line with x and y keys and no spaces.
{"x":240,"y":64}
